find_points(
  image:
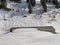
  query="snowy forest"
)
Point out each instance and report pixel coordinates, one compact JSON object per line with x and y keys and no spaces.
{"x":29,"y":22}
{"x":31,"y":4}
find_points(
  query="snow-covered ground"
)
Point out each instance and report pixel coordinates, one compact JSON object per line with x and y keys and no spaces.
{"x":15,"y":18}
{"x":29,"y":37}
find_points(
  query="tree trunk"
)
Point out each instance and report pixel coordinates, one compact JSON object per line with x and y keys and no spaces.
{"x":30,"y":7}
{"x":43,"y":2}
{"x":3,"y":4}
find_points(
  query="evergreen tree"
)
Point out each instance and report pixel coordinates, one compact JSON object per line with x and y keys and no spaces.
{"x":43,"y":2}
{"x":30,"y":7}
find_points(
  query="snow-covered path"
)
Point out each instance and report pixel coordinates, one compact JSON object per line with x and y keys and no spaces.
{"x":29,"y":37}
{"x":26,"y":37}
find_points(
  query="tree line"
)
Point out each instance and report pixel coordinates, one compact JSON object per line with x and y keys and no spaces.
{"x":31,"y":4}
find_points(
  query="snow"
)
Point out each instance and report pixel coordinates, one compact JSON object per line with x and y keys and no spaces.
{"x":29,"y":36}
{"x":22,"y":37}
